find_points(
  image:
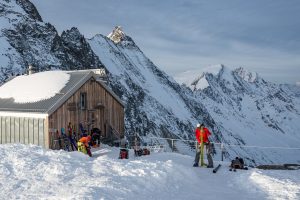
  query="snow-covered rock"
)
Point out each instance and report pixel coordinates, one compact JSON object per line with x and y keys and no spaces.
{"x":26,"y":40}
{"x":117,"y":35}
{"x":246,"y":75}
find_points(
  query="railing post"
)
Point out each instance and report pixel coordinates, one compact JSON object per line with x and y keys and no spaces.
{"x":222,"y":151}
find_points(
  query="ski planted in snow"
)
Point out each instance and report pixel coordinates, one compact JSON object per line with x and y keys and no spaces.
{"x":217,"y":168}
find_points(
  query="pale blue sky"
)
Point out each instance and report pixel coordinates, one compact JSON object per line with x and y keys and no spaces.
{"x":260,"y":35}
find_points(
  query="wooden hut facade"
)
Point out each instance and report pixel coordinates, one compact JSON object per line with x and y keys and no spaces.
{"x":85,"y":101}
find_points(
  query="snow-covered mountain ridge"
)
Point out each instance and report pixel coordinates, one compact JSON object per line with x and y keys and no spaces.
{"x":237,"y":106}
{"x":25,"y":39}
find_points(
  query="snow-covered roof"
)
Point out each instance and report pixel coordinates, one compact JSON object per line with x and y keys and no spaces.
{"x":35,"y":87}
{"x":44,"y":92}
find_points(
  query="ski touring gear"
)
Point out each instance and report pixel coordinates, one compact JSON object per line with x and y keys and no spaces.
{"x":123,"y":154}
{"x":146,"y":151}
{"x":237,"y":163}
{"x":65,"y":139}
{"x":217,"y":168}
{"x":202,"y":152}
{"x":96,"y":135}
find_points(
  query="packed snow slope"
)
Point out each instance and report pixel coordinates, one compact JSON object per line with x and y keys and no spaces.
{"x":30,"y":172}
{"x":238,"y":107}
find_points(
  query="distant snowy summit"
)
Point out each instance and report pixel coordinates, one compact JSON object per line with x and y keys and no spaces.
{"x":194,"y":81}
{"x":119,"y":38}
{"x":246,"y":75}
{"x":117,"y":35}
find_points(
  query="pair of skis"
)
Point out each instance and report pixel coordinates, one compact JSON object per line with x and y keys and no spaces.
{"x":234,"y":169}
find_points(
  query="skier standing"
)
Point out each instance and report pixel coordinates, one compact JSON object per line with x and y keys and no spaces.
{"x":202,"y":135}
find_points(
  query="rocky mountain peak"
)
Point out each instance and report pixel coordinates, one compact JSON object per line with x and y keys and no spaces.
{"x":200,"y":81}
{"x":73,"y":36}
{"x":30,"y":9}
{"x":74,"y":51}
{"x":246,"y":75}
{"x":117,"y":35}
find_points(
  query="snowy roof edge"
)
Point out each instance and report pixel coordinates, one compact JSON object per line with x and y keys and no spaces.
{"x":66,"y":96}
{"x":23,"y":114}
{"x":48,"y":106}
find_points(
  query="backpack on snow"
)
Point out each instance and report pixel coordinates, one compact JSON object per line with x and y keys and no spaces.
{"x":146,"y":151}
{"x":123,"y":154}
{"x":237,"y":163}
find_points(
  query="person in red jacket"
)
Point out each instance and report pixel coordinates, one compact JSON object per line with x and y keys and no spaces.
{"x":201,"y":133}
{"x":205,"y":131}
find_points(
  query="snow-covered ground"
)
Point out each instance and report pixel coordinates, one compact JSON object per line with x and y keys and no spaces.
{"x":31,"y":172}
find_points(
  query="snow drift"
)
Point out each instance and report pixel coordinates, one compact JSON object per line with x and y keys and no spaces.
{"x":30,"y":172}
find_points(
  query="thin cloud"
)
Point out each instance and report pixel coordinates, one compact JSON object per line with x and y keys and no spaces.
{"x":182,"y":35}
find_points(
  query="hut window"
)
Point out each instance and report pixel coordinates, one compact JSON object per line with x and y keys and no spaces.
{"x":83,"y":101}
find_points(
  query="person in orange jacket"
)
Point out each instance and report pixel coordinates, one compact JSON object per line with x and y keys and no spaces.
{"x":84,"y":141}
{"x":201,"y":133}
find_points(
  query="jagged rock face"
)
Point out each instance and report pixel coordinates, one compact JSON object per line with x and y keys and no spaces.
{"x":26,"y":39}
{"x":149,"y":93}
{"x":74,"y":52}
{"x":30,"y":9}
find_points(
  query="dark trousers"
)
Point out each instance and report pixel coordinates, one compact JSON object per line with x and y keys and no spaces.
{"x":209,"y":157}
{"x":197,"y":157}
